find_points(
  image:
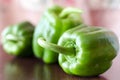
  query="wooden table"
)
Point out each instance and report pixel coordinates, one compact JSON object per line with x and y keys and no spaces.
{"x":12,"y":68}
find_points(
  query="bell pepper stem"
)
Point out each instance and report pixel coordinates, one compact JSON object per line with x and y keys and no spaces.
{"x":12,"y":38}
{"x":55,"y":47}
{"x":68,"y":11}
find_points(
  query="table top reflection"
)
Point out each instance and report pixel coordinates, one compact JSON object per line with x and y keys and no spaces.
{"x":12,"y":68}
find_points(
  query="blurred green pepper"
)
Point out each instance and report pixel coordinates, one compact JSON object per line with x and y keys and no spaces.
{"x":17,"y":39}
{"x":85,"y":51}
{"x":54,"y":22}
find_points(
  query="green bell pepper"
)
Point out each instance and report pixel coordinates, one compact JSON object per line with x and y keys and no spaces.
{"x":85,"y":51}
{"x":54,"y":22}
{"x":17,"y":39}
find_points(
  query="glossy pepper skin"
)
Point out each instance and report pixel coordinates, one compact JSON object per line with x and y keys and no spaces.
{"x":54,"y":22}
{"x":85,"y":51}
{"x":17,"y":39}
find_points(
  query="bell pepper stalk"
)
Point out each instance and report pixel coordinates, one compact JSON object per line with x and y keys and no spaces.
{"x":69,"y":10}
{"x":17,"y":39}
{"x":53,"y":23}
{"x":84,"y":50}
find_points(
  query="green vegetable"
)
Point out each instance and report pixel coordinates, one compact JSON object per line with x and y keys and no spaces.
{"x":85,"y":51}
{"x":17,"y":39}
{"x":54,"y":22}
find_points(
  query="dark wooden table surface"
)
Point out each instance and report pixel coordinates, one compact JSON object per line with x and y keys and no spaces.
{"x":12,"y":68}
